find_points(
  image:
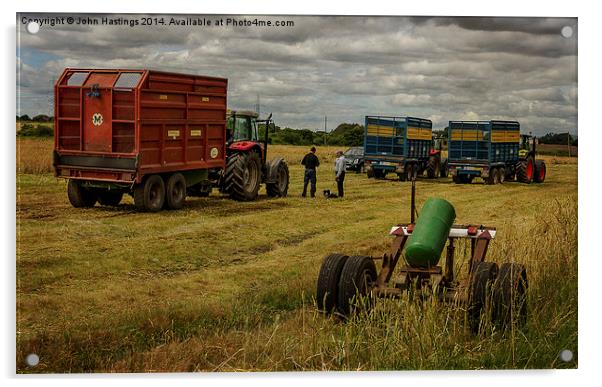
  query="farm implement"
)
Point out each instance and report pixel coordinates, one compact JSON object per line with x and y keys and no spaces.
{"x":489,"y":290}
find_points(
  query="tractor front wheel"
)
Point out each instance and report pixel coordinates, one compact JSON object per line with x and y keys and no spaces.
{"x":357,"y":279}
{"x":243,"y":176}
{"x":279,"y":187}
{"x":540,"y":171}
{"x":328,"y":282}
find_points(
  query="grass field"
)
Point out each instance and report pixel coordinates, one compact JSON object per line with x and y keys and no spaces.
{"x":229,"y":286}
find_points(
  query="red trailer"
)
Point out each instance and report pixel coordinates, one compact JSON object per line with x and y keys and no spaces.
{"x":152,"y":134}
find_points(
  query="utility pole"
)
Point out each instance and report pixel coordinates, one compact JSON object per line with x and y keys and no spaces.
{"x":325,"y":133}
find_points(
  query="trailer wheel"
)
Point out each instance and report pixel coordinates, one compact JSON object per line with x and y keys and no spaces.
{"x":510,"y":295}
{"x":409,"y":172}
{"x":80,"y":196}
{"x":328,"y":281}
{"x":175,"y":191}
{"x":280,"y":187}
{"x":370,"y":172}
{"x":540,"y":171}
{"x":110,"y":198}
{"x":433,"y":167}
{"x":462,"y":179}
{"x":494,"y":176}
{"x":481,"y":282}
{"x":502,"y":176}
{"x":243,"y":176}
{"x":524,"y":170}
{"x":379,"y":174}
{"x":150,"y":194}
{"x":357,"y":278}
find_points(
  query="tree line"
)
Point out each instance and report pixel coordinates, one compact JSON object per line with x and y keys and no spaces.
{"x":345,"y":134}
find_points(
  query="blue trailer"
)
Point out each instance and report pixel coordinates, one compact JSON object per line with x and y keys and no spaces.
{"x":401,"y":145}
{"x":492,"y":150}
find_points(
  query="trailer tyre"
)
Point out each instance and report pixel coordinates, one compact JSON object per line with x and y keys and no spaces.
{"x":502,"y":176}
{"x":357,"y":278}
{"x":524,"y":170}
{"x":510,"y":295}
{"x":540,"y":171}
{"x":444,"y":169}
{"x":80,"y":196}
{"x":481,"y":282}
{"x":494,"y":176}
{"x":328,"y":282}
{"x":150,"y":195}
{"x":433,"y":167}
{"x":110,"y":198}
{"x":243,"y":176}
{"x":280,"y":187}
{"x":370,"y":172}
{"x":175,"y":191}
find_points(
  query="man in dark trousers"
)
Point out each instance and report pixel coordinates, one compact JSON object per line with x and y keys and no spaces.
{"x":311,"y":162}
{"x":339,"y":170}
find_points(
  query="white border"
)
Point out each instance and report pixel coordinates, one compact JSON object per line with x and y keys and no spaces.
{"x":589,"y":175}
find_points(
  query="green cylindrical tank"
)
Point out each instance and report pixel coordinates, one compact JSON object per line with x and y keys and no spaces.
{"x":430,"y":233}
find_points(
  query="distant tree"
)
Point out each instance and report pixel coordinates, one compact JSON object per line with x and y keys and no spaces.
{"x":24,"y":117}
{"x":41,"y":118}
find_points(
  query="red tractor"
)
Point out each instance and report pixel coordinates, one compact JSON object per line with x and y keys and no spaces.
{"x":246,"y":163}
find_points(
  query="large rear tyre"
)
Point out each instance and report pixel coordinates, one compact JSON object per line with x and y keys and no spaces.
{"x":243,"y":176}
{"x":481,"y":282}
{"x":540,"y":171}
{"x":357,"y":279}
{"x":328,"y":282}
{"x":524,"y":170}
{"x":510,"y":295}
{"x":175,"y":192}
{"x":433,"y":167}
{"x":150,"y":194}
{"x":279,"y":188}
{"x":80,"y":196}
{"x":110,"y":198}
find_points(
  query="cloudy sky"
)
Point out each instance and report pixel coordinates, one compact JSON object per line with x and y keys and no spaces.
{"x":344,"y":67}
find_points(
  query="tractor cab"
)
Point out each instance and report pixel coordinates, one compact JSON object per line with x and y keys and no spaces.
{"x":527,"y":146}
{"x":242,"y":126}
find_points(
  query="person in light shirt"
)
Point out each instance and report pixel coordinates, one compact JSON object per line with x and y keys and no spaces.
{"x":339,"y":170}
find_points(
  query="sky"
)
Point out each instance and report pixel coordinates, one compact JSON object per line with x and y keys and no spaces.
{"x":440,"y":68}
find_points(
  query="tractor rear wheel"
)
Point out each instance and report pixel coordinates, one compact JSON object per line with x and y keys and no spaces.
{"x":433,"y":167}
{"x":494,"y":176}
{"x":540,"y":171}
{"x":328,"y":282}
{"x":481,"y":282}
{"x":510,"y":295}
{"x":150,"y":194}
{"x":357,"y":278}
{"x":80,"y":196}
{"x":524,"y":170}
{"x":279,"y":188}
{"x":110,"y":198}
{"x":243,"y":176}
{"x":175,"y":192}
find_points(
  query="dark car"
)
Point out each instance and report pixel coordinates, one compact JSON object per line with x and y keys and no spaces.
{"x":354,"y":159}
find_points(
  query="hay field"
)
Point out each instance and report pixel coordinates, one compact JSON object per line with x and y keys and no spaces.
{"x":228,"y":286}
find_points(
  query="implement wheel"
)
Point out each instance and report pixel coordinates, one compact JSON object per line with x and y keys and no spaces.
{"x":280,"y":187}
{"x":481,"y":282}
{"x":357,"y":278}
{"x":494,"y":176}
{"x":175,"y":192}
{"x":502,"y":176}
{"x":80,"y":196}
{"x":510,"y":295}
{"x":525,"y":170}
{"x":540,"y":171}
{"x":328,"y":282}
{"x":110,"y":198}
{"x":243,"y":176}
{"x":150,"y":194}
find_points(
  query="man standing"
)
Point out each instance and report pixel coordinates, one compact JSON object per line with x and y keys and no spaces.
{"x":339,"y":170}
{"x":311,"y":162}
